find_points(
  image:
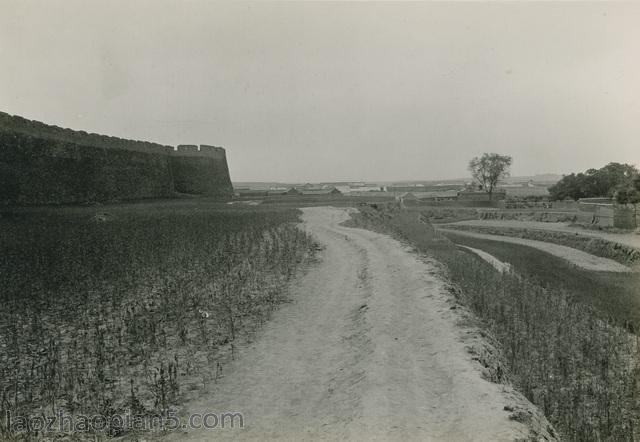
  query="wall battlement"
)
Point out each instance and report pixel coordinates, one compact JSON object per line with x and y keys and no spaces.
{"x":15,"y":123}
{"x":191,"y":150}
{"x":212,"y":151}
{"x":186,"y":150}
{"x":45,"y":164}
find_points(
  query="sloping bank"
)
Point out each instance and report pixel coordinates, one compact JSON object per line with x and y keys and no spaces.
{"x":611,"y":249}
{"x":612,"y":296}
{"x":489,"y":258}
{"x":581,"y":371}
{"x":577,"y":257}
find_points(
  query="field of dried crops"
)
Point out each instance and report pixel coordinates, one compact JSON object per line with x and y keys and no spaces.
{"x":128,"y":311}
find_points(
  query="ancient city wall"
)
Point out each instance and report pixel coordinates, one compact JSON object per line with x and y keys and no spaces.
{"x":36,"y":170}
{"x":42,"y":164}
{"x":17,"y":124}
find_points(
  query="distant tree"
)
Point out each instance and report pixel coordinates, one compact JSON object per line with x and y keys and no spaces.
{"x":604,"y":182}
{"x":567,"y":187}
{"x":613,"y":176}
{"x":629,"y":193}
{"x":489,"y":169}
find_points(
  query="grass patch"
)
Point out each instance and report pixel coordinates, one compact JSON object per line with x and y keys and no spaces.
{"x":581,"y":371}
{"x":125,"y":309}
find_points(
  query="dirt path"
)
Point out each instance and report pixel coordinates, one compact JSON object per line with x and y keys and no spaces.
{"x":368,"y":350}
{"x":628,"y":239}
{"x":578,"y":257}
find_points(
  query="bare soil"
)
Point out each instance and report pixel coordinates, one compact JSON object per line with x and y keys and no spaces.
{"x":370,"y":348}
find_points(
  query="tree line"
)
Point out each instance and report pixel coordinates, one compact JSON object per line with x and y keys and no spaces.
{"x":615,"y":180}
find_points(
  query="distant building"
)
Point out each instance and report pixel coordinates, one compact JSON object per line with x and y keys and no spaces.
{"x":406,"y":197}
{"x":320,"y":192}
{"x":365,"y":188}
{"x":444,"y":195}
{"x":343,"y":188}
{"x":440,"y":187}
{"x":292,"y":191}
{"x":511,"y":185}
{"x":251,"y":193}
{"x":405,"y":189}
{"x":261,"y":193}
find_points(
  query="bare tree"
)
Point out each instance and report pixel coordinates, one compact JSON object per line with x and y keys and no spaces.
{"x":489,"y":169}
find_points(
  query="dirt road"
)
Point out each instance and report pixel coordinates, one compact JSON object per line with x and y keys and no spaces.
{"x":577,"y":257}
{"x":368,"y":349}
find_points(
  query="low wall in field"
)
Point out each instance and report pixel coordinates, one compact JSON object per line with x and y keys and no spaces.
{"x":529,"y":215}
{"x":460,"y":203}
{"x":604,"y":212}
{"x":625,"y":216}
{"x":564,"y":205}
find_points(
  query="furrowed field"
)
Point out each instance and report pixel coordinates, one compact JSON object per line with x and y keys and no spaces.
{"x":581,"y":369}
{"x":128,"y":310}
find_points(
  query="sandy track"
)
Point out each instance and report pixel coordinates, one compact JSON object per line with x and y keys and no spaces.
{"x":627,"y":239}
{"x":367,"y":350}
{"x":577,"y":257}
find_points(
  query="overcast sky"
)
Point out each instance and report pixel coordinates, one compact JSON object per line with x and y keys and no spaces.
{"x":336,"y":91}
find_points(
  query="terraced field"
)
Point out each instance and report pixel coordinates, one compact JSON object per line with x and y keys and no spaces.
{"x":613,"y":295}
{"x":574,"y":256}
{"x":597,"y":268}
{"x":629,"y":240}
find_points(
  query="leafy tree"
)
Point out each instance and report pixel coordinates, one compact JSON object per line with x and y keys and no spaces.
{"x":614,"y":175}
{"x":489,"y":169}
{"x":629,"y":193}
{"x":603,"y":182}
